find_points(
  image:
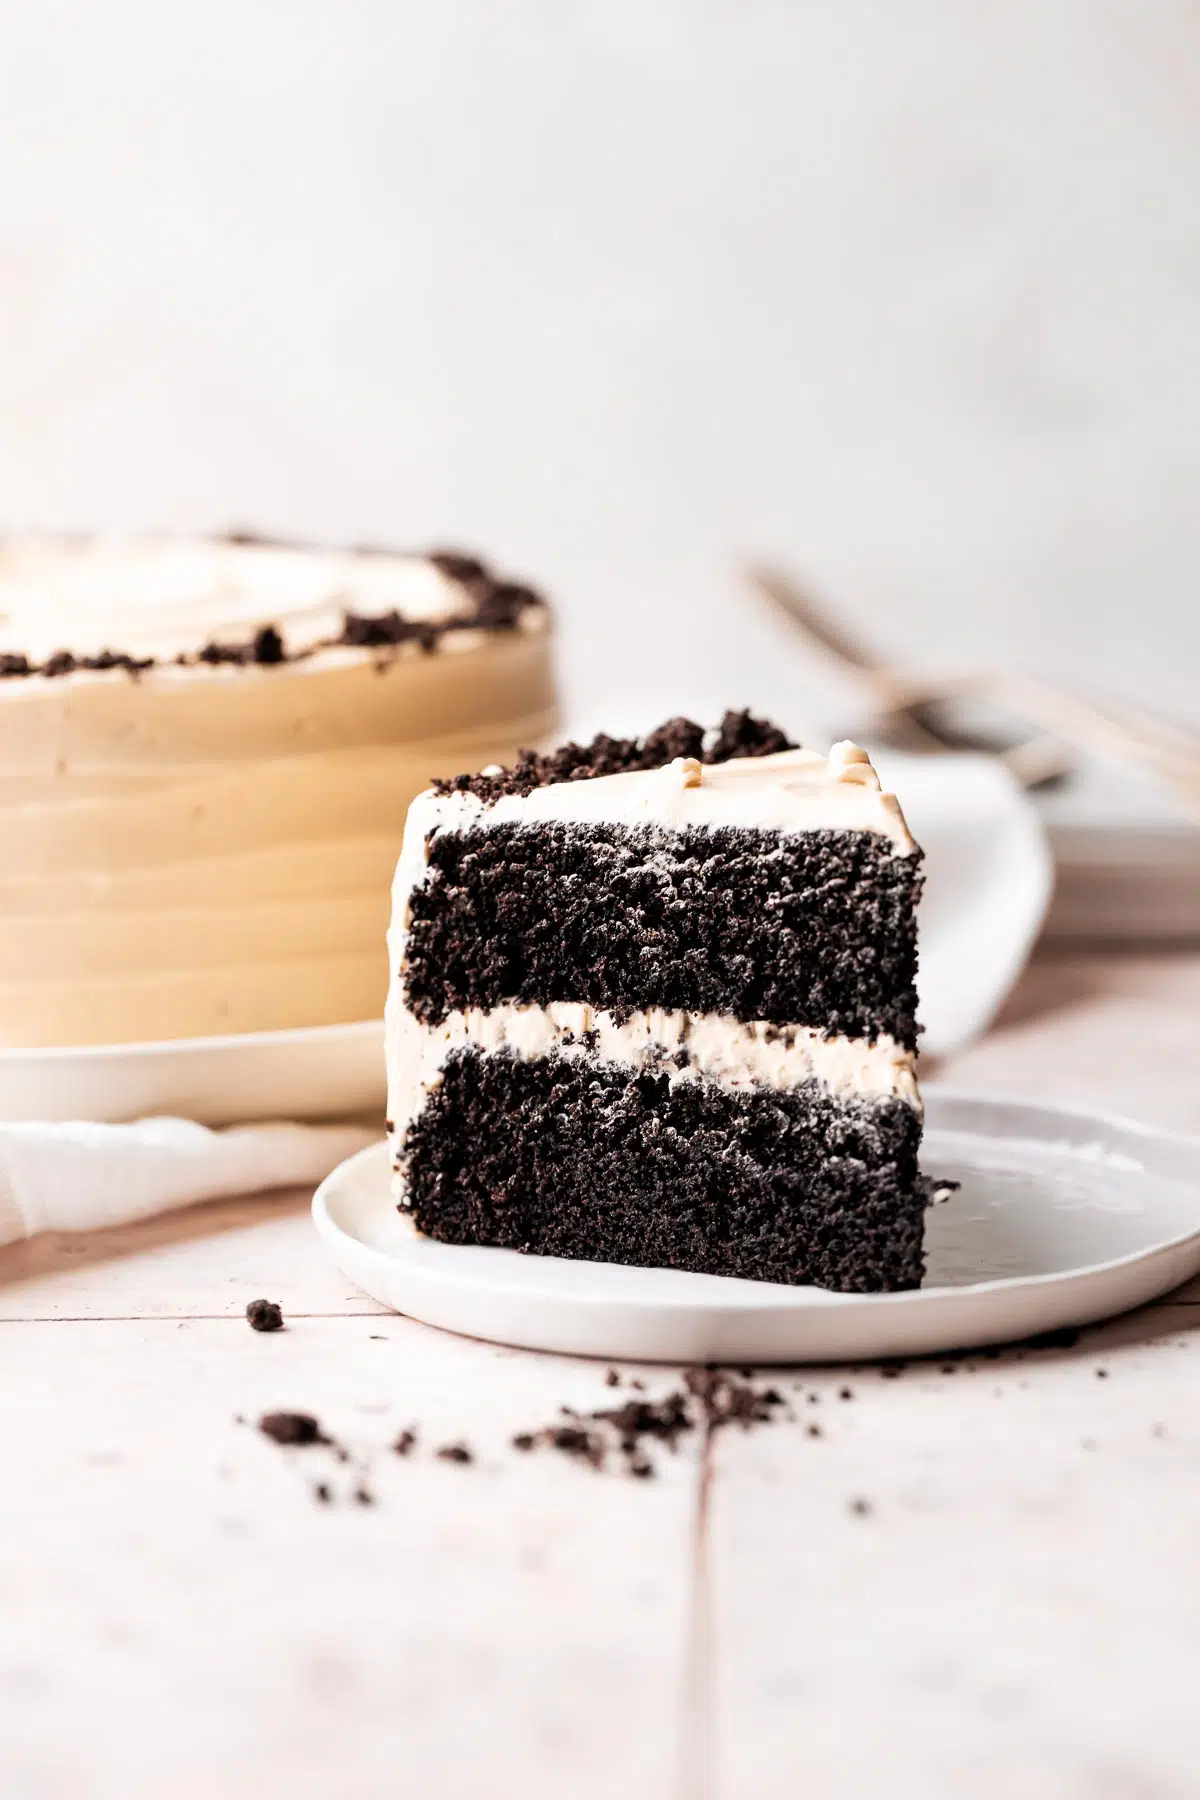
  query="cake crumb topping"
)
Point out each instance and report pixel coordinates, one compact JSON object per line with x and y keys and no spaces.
{"x":491,"y":605}
{"x":678,"y":740}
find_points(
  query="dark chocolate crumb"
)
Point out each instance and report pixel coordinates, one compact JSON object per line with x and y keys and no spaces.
{"x":458,"y":566}
{"x":665,"y":1420}
{"x":364,"y":1497}
{"x":268,"y":646}
{"x":640,"y":1386}
{"x":265,"y":1315}
{"x":612,"y":1379}
{"x":813,"y":1430}
{"x":323,"y":1492}
{"x":456,"y":1453}
{"x":740,"y":734}
{"x":577,"y":1440}
{"x":725,"y":1400}
{"x":711,"y":1398}
{"x":862,"y":1509}
{"x":891,"y":1371}
{"x":845,"y":1393}
{"x":406,"y":1443}
{"x":300,"y":1429}
{"x":1101,"y":1374}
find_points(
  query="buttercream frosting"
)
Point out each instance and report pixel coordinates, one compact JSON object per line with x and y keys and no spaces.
{"x":207,"y":849}
{"x":683,"y":1046}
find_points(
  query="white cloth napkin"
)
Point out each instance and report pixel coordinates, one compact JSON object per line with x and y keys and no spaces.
{"x":82,"y":1177}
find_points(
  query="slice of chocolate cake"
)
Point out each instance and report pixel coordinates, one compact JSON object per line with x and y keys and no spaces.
{"x":653,"y":1003}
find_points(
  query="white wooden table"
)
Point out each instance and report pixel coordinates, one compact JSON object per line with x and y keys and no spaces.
{"x":1015,"y":1612}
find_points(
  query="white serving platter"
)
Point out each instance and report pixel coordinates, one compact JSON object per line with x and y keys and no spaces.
{"x":1063,"y":1218}
{"x":324,"y":1072}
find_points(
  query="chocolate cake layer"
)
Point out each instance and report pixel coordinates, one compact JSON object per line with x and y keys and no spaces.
{"x":816,"y":929}
{"x":585,"y":1159}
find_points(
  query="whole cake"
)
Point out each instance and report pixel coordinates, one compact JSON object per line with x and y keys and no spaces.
{"x":653,"y":1003}
{"x":206,"y":750}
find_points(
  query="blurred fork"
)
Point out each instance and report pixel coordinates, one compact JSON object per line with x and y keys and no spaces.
{"x":911,"y":709}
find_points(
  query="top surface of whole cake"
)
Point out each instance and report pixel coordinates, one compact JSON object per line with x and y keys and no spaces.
{"x":206,"y":750}
{"x":654,"y":1002}
{"x":73,"y":607}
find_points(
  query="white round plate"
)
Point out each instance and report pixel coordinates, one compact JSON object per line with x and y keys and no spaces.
{"x":324,"y":1072}
{"x":1062,"y":1218}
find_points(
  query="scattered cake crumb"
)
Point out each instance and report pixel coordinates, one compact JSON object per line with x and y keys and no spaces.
{"x":406,"y":1443}
{"x":265,"y":1315}
{"x":295,"y":1428}
{"x":862,"y":1509}
{"x":323,"y":1492}
{"x":709,"y":1397}
{"x":364,"y":1497}
{"x":845,"y":1393}
{"x":456,"y":1453}
{"x":612,"y":1378}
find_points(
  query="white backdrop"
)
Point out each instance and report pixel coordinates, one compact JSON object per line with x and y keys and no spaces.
{"x":905,"y":291}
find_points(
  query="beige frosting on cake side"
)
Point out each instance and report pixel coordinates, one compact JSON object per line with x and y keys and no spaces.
{"x":208,"y":850}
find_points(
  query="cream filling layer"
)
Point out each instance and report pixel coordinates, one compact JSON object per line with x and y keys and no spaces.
{"x":684,"y":1046}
